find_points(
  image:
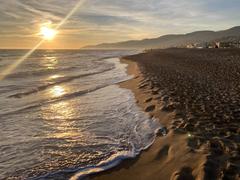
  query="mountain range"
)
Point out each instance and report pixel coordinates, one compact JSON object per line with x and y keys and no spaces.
{"x":173,"y":40}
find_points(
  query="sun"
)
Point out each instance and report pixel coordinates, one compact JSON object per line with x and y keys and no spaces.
{"x":48,"y":33}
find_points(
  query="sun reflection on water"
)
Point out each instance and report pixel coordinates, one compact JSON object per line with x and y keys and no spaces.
{"x":60,"y":116}
{"x":50,"y":62}
{"x":55,"y":76}
{"x":57,"y":91}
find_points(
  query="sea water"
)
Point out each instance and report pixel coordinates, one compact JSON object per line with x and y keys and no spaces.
{"x":63,"y":115}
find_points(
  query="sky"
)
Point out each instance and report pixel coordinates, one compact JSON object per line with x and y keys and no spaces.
{"x":106,"y":21}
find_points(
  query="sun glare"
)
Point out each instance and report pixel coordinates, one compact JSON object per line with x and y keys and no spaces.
{"x":48,"y":33}
{"x":58,"y":91}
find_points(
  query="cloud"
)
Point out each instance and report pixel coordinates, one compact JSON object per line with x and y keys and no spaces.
{"x":116,"y":20}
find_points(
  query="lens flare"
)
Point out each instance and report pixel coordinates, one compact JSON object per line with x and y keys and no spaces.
{"x":49,"y":33}
{"x":13,"y":66}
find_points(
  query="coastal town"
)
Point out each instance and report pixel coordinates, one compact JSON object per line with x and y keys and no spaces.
{"x":215,"y":44}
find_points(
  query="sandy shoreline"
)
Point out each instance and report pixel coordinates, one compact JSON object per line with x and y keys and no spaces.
{"x":174,"y":87}
{"x":152,"y":162}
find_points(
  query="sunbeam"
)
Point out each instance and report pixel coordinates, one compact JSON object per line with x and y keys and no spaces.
{"x":13,"y":66}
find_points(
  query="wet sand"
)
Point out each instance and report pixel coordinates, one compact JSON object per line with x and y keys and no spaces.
{"x":195,"y":94}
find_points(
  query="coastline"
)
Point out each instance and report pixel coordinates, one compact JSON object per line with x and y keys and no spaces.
{"x":194,"y":93}
{"x":169,"y":156}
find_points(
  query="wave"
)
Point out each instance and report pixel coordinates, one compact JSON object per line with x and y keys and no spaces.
{"x":38,"y":72}
{"x":54,"y":100}
{"x":64,"y":80}
{"x":111,"y":162}
{"x":57,"y":99}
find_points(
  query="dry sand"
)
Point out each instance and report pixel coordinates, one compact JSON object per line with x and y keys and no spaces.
{"x":195,"y":94}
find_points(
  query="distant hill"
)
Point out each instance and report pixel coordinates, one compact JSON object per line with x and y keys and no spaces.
{"x":172,"y":40}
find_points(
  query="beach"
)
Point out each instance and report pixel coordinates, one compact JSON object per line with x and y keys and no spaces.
{"x":195,"y":95}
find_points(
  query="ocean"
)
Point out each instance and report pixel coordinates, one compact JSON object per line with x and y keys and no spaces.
{"x":63,"y":115}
